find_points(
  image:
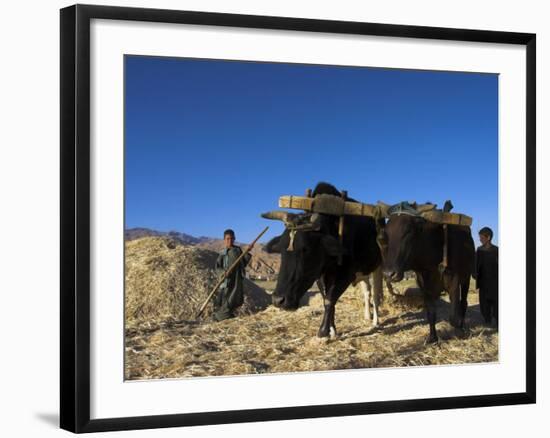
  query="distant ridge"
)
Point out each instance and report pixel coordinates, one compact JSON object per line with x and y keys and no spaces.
{"x":138,"y":233}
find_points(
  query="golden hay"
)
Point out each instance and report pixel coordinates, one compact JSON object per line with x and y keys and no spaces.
{"x":165,"y":278}
{"x":276,"y":341}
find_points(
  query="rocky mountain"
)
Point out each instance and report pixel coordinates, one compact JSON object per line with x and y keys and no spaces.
{"x":137,"y":233}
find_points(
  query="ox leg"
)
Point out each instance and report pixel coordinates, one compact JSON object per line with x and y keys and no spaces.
{"x":365,"y":287}
{"x":464,"y":288}
{"x":431,"y":315}
{"x":456,"y":316}
{"x":390,"y":287}
{"x":327,"y":325}
{"x":321,"y":285}
{"x":328,"y":328}
{"x":334,"y":287}
{"x":377,"y":279}
{"x":429,"y":282}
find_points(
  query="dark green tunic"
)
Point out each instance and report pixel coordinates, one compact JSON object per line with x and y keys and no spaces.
{"x":231,"y":293}
{"x":487,"y":280}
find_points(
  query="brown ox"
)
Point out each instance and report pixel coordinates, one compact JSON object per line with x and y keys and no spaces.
{"x":410,"y":242}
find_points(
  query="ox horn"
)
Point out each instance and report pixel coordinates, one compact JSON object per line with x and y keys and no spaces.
{"x":315,"y":221}
{"x":315,"y":217}
{"x":285,"y":216}
{"x":276,"y":215}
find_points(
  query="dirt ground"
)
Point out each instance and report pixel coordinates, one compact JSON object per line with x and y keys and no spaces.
{"x":277,"y":341}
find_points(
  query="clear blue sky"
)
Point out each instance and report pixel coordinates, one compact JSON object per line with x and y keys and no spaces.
{"x":212,"y":144}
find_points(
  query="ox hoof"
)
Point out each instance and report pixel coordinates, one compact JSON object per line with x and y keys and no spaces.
{"x":460,"y":332}
{"x":457,"y":323}
{"x":432,"y":339}
{"x":327,"y":334}
{"x":323,"y":332}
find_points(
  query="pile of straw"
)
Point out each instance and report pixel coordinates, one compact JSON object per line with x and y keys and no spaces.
{"x":166,"y":281}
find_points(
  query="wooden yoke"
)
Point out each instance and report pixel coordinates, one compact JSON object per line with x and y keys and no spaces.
{"x":332,"y":205}
{"x":338,"y":206}
{"x":443,"y":217}
{"x":327,"y":204}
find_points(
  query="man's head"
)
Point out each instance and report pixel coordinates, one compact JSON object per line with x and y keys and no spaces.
{"x":485,"y":235}
{"x":229,"y":238}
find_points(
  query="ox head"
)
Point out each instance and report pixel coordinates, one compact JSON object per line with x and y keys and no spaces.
{"x":306,"y":247}
{"x":400,"y":238}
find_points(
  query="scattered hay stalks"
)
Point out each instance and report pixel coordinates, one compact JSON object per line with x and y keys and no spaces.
{"x":164,"y":278}
{"x":277,"y":341}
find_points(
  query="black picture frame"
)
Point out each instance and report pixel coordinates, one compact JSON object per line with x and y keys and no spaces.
{"x":75,"y":217}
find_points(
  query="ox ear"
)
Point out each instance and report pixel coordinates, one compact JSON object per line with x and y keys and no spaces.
{"x":273,"y":246}
{"x":332,"y":246}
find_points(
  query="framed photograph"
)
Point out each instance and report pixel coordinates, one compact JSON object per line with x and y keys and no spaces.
{"x":267,"y":218}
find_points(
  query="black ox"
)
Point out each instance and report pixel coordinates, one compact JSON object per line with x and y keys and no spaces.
{"x":310,"y":249}
{"x":410,"y":242}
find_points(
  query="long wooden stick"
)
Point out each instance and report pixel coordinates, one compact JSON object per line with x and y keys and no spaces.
{"x":227,"y":272}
